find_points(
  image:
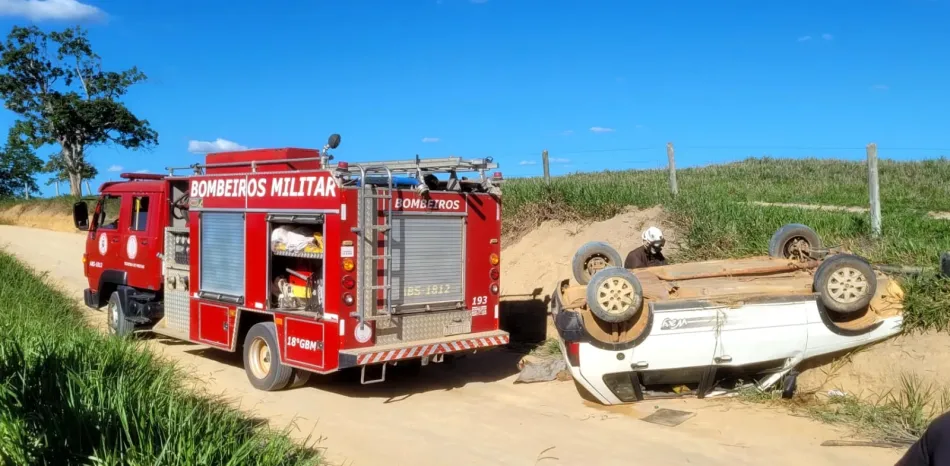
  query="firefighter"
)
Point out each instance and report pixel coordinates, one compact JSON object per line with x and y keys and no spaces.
{"x":650,"y":254}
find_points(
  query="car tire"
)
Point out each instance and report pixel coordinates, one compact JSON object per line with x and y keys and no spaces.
{"x":786,"y":237}
{"x":586,"y":256}
{"x":614,"y":295}
{"x":119,"y":325}
{"x":262,"y":361}
{"x":845,"y":283}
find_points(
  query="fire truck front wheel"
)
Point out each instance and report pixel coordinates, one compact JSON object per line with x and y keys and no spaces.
{"x":118,"y":324}
{"x":262,"y":359}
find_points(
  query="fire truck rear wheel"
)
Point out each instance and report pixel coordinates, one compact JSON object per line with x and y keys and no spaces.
{"x":118,"y":324}
{"x":300,"y":378}
{"x":262,"y":359}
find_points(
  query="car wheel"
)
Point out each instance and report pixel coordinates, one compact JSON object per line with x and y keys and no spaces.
{"x":614,"y":295}
{"x":592,"y":258}
{"x":794,"y":241}
{"x":119,"y":325}
{"x":262,"y":358}
{"x":845,"y":283}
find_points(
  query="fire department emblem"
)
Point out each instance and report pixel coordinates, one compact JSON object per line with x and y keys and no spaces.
{"x":132,"y":247}
{"x":103,"y":244}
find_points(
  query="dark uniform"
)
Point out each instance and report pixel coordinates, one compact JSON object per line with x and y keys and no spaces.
{"x":933,"y":447}
{"x":640,"y":258}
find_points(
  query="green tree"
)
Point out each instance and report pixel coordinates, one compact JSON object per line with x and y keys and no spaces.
{"x":18,"y":167}
{"x":56,"y":166}
{"x":64,"y":97}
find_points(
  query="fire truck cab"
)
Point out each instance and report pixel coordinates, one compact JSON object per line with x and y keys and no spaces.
{"x":304,"y":265}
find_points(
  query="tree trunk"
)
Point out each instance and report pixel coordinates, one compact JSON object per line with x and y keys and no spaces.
{"x":75,"y":184}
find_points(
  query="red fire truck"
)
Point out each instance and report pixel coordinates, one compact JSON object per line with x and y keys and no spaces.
{"x":305,"y":265}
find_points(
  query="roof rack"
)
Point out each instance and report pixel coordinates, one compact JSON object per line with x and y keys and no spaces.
{"x":442,"y":164}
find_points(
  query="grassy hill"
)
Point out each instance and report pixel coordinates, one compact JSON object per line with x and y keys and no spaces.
{"x":714,"y":212}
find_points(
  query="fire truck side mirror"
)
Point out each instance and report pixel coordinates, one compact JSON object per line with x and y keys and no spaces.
{"x":81,"y":216}
{"x":334,"y":141}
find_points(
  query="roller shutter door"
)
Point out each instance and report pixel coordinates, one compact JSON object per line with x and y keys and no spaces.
{"x":222,"y":253}
{"x":428,"y":259}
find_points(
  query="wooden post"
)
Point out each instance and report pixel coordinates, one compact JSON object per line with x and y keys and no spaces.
{"x":88,"y":188}
{"x":547,"y":166}
{"x":874,"y":190}
{"x":57,"y":188}
{"x":674,"y":188}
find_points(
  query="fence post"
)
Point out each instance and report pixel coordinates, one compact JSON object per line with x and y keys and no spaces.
{"x":674,"y":188}
{"x":874,"y":190}
{"x":547,"y":166}
{"x":57,"y":188}
{"x":88,"y":188}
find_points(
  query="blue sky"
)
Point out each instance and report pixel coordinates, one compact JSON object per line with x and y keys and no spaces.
{"x":600,"y":84}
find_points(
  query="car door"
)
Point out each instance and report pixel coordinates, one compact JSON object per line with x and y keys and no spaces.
{"x":105,"y":239}
{"x":762,"y":332}
{"x":683,"y":336}
{"x":143,"y":241}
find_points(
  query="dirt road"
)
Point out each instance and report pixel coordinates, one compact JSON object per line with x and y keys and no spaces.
{"x":473,"y":414}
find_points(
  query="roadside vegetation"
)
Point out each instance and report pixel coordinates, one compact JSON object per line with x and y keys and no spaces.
{"x":894,"y":418}
{"x":69,"y":395}
{"x":716,"y":217}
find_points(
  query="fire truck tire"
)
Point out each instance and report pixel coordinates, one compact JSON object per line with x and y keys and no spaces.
{"x":614,"y":295}
{"x":262,"y":359}
{"x":592,"y":257}
{"x":118,"y":324}
{"x":300,"y":378}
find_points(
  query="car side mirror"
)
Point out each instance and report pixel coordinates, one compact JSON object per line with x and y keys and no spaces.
{"x":81,"y":216}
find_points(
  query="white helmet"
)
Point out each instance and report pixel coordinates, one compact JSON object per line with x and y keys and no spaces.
{"x":652,"y":235}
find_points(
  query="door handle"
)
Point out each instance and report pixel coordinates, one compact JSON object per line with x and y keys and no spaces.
{"x":144,"y":242}
{"x":724,"y":358}
{"x":640,"y":365}
{"x":115,"y":240}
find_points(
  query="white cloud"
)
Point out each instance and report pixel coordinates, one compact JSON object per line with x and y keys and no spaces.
{"x":599,"y":129}
{"x":880,"y":87}
{"x":558,"y":160}
{"x":804,"y":38}
{"x":43,"y":10}
{"x":115,"y":168}
{"x":427,"y":140}
{"x":527,"y":162}
{"x":218,"y":145}
{"x":827,"y":36}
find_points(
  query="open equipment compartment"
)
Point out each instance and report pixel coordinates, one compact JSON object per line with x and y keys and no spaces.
{"x":296,"y":271}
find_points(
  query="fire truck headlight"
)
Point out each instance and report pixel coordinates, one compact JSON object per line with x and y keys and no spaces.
{"x":348,"y":265}
{"x":494,"y":274}
{"x":494,"y":259}
{"x":494,"y":288}
{"x":348,"y":282}
{"x":347,"y":299}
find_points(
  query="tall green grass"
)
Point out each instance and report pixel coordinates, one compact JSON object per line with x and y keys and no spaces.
{"x":716,"y":220}
{"x":69,"y":395}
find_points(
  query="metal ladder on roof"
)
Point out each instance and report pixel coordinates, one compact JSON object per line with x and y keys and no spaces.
{"x":374,"y":220}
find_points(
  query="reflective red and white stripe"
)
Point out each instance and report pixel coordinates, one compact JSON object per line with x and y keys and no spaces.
{"x":429,"y":350}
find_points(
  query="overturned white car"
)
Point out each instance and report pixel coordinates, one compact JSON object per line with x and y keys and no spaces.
{"x":681,"y":330}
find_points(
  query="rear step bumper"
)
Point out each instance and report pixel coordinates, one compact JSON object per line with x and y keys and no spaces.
{"x":418,"y":349}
